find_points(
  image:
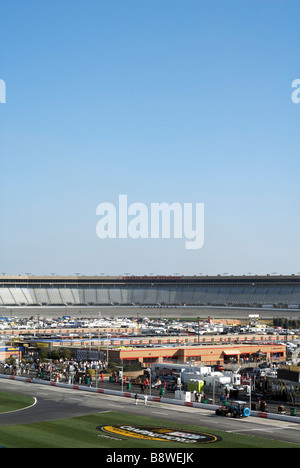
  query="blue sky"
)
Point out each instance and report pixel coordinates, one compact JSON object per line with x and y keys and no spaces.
{"x":162,"y":100}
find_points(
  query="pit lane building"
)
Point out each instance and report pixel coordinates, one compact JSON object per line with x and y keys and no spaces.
{"x":147,"y":350}
{"x":206,"y":354}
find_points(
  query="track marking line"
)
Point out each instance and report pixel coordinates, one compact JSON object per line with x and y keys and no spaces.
{"x":22,"y":409}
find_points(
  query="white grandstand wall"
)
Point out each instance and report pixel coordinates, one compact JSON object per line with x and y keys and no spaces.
{"x":181,"y":292}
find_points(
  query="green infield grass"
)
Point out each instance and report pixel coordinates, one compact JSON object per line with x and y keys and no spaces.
{"x":14,"y":402}
{"x":83,"y":432}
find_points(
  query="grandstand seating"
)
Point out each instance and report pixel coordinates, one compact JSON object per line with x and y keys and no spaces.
{"x":201,"y":293}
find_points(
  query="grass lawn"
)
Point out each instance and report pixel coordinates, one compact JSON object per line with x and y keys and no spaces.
{"x":13,"y":402}
{"x":82,"y":432}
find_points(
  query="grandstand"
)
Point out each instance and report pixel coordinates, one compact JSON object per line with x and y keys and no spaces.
{"x":234,"y":291}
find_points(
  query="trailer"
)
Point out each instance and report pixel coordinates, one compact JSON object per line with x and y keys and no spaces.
{"x":212,"y":379}
{"x":216,"y":379}
{"x":186,"y":376}
{"x":170,"y":370}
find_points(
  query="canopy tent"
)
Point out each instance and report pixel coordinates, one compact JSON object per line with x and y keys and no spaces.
{"x":232,"y":352}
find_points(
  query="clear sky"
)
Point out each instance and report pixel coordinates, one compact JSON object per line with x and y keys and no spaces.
{"x":183,"y":101}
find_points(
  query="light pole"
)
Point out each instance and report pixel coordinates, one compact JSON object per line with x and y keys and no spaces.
{"x":107,"y":347}
{"x":250,"y":390}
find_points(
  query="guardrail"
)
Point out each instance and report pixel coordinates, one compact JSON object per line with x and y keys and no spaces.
{"x":207,"y":406}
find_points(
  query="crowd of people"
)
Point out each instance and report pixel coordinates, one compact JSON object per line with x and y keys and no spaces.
{"x":62,"y":370}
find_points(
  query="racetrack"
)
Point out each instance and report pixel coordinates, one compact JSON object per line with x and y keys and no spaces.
{"x":151,"y":312}
{"x":59,"y":403}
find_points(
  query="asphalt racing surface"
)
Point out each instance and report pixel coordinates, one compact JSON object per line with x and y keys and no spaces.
{"x":59,"y":403}
{"x":151,"y":312}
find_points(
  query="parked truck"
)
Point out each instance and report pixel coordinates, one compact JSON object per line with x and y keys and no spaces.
{"x":210,"y":379}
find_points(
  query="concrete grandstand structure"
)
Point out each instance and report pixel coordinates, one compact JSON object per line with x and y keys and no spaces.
{"x":235,"y":291}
